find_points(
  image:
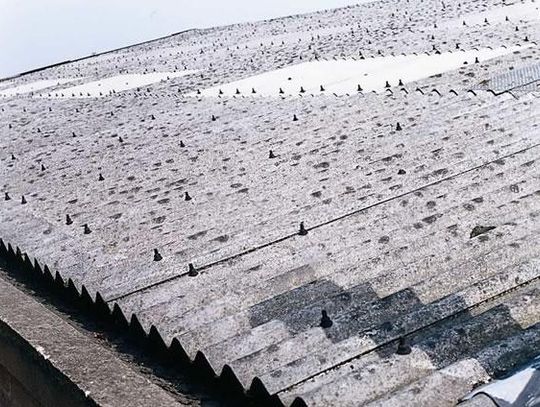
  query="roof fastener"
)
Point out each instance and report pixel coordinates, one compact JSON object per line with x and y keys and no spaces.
{"x":87,"y":230}
{"x":69,"y":221}
{"x":6,"y":197}
{"x":101,"y":177}
{"x":326,"y":322}
{"x":403,"y":347}
{"x":23,"y":200}
{"x":294,"y":119}
{"x":157,"y":256}
{"x":192,"y":272}
{"x":398,"y":127}
{"x":187,"y":197}
{"x":303,"y":231}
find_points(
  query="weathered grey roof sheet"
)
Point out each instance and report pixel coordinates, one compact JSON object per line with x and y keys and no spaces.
{"x":422,"y":241}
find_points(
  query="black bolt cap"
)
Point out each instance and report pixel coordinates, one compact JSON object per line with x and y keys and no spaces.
{"x":101,"y":177}
{"x":359,"y":88}
{"x":322,"y":88}
{"x":192,"y":272}
{"x":294,"y":119}
{"x":43,"y":167}
{"x":157,"y":256}
{"x":13,"y":157}
{"x":213,"y":118}
{"x":69,"y":221}
{"x":403,"y":347}
{"x":87,"y":230}
{"x":398,"y":127}
{"x":271,"y":155}
{"x":6,"y":197}
{"x":187,"y":197}
{"x":182,"y":144}
{"x":303,"y":231}
{"x":326,"y":322}
{"x":402,"y":172}
{"x":23,"y":200}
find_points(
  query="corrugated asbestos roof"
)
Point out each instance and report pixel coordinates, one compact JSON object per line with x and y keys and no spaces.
{"x":415,"y":275}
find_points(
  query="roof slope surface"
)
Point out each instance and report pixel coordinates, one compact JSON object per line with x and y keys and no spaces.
{"x":415,"y":274}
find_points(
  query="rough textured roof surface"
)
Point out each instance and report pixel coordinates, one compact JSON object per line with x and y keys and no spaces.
{"x":415,"y":275}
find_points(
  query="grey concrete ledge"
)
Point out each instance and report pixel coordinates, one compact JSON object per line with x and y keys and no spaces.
{"x":59,"y":365}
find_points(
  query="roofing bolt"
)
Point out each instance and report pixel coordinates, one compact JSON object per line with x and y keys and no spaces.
{"x":192,"y":272}
{"x":326,"y":322}
{"x":402,"y":172}
{"x":23,"y":200}
{"x":157,"y":256}
{"x":13,"y":157}
{"x":42,"y":167}
{"x":10,"y":126}
{"x":302,"y":90}
{"x":517,"y":28}
{"x":220,"y":92}
{"x":152,"y":117}
{"x":213,"y":118}
{"x":101,"y":177}
{"x":69,"y":221}
{"x":526,"y":39}
{"x":400,"y":83}
{"x":38,"y":130}
{"x":506,"y":18}
{"x":271,"y":155}
{"x":6,"y":197}
{"x":294,"y":119}
{"x":182,"y":144}
{"x":398,"y":127}
{"x":237,"y":91}
{"x":120,"y":139}
{"x":198,"y":91}
{"x":359,"y":88}
{"x":403,"y":347}
{"x":322,"y":88}
{"x":187,"y":197}
{"x":281,"y":91}
{"x":387,"y":85}
{"x":253,"y":90}
{"x":87,"y":230}
{"x":303,"y":231}
{"x":476,"y":60}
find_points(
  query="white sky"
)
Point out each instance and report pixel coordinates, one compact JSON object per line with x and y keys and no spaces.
{"x":35,"y":33}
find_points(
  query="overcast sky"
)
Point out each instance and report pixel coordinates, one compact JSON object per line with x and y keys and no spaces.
{"x":35,"y":33}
